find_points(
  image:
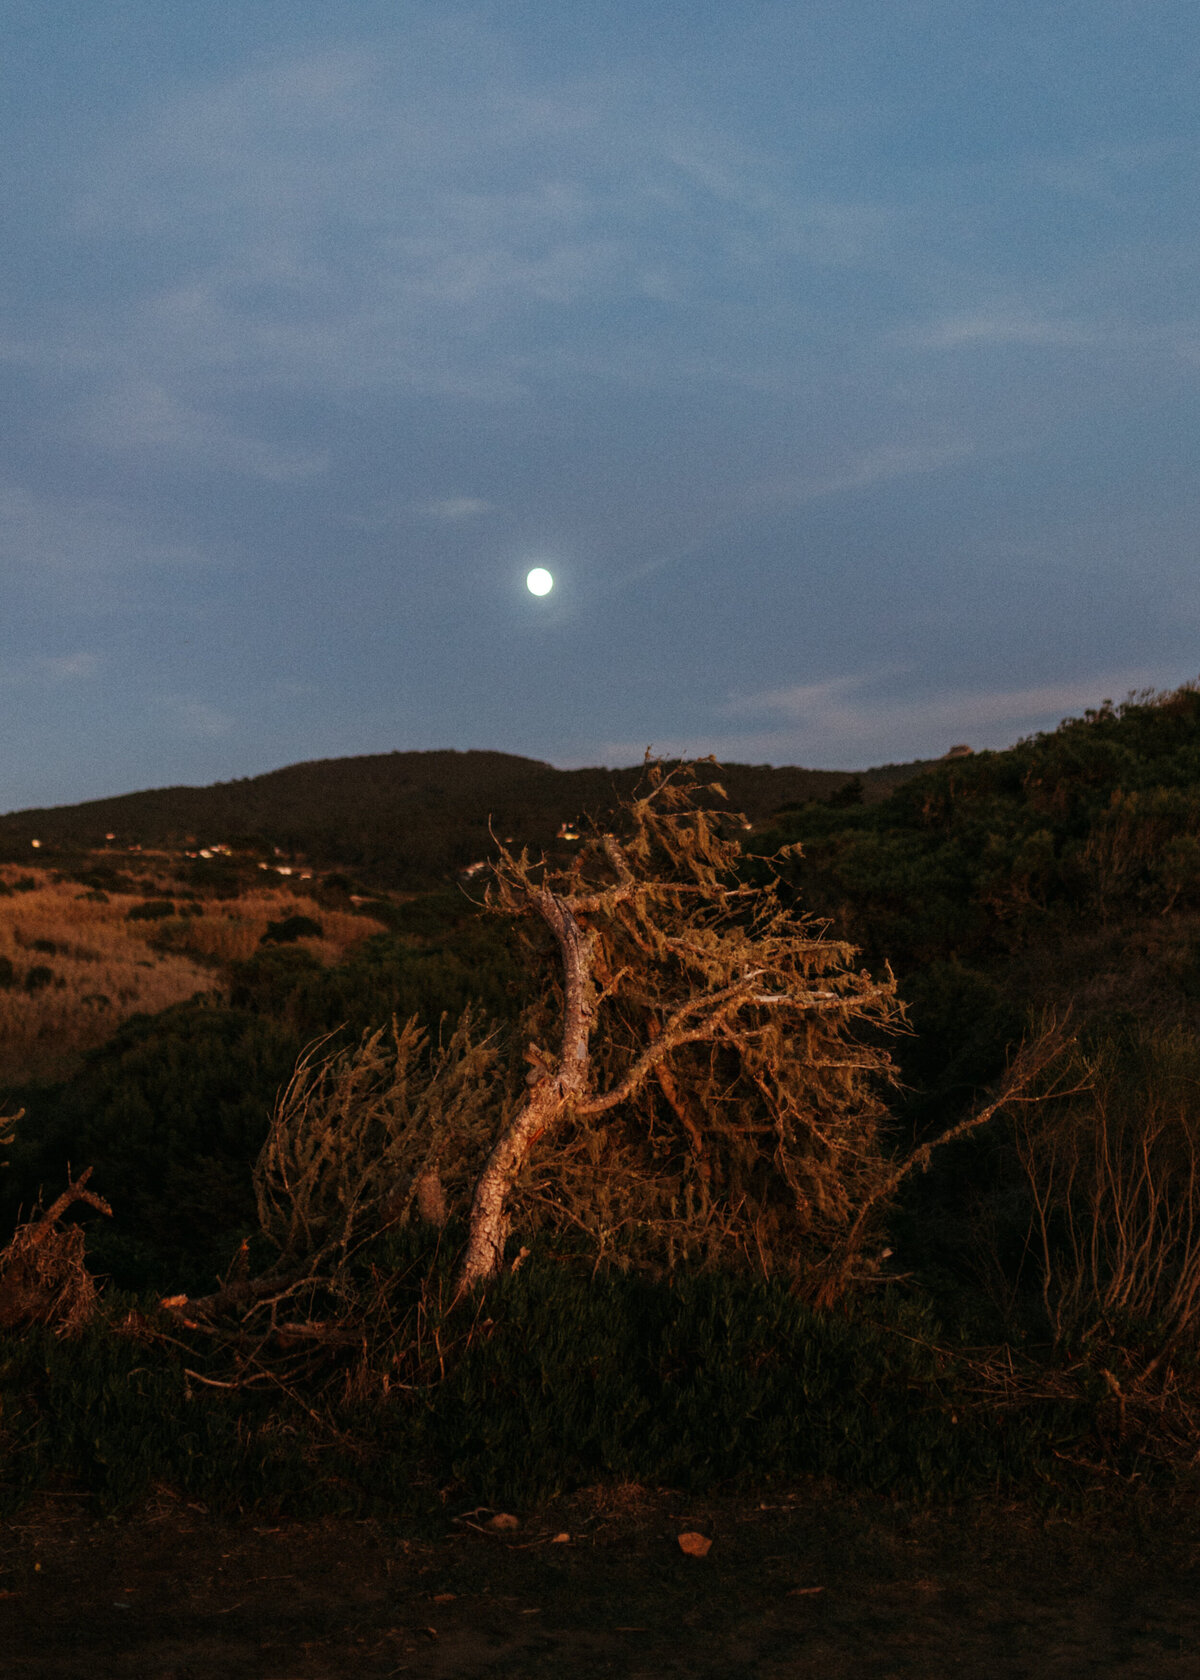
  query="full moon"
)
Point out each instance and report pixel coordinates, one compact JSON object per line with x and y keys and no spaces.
{"x":539,"y":581}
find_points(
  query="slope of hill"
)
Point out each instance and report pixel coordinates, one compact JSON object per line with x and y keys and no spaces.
{"x":1059,"y":1241}
{"x":408,"y":818}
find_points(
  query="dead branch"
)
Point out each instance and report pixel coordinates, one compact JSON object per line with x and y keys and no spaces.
{"x":1030,"y":1062}
{"x":43,"y":1275}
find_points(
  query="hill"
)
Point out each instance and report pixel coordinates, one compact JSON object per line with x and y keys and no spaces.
{"x":406,"y":818}
{"x":1038,"y":1314}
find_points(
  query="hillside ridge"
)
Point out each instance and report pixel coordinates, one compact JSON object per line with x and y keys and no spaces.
{"x":407,"y":816}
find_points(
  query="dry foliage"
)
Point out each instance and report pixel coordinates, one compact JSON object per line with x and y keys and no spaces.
{"x":43,"y":1276}
{"x":231,"y":930}
{"x":716,"y":1094}
{"x":363,"y":1138}
{"x":1114,"y":1176}
{"x":714,"y":1087}
{"x":100,"y":971}
{"x":102,"y":968}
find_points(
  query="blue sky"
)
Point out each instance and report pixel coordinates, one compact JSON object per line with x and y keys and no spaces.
{"x":841,"y":361}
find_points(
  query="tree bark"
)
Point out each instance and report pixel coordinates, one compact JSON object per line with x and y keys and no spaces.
{"x":551,"y":1095}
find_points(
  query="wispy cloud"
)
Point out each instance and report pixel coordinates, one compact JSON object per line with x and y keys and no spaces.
{"x":864,"y":712}
{"x":346,"y":220}
{"x":861,"y":469}
{"x":197,"y":719}
{"x":142,"y":416}
{"x":49,"y":539}
{"x":51,"y":669}
{"x":1003,"y":325}
{"x":455,"y":509}
{"x":69,"y":667}
{"x":1110,"y":175}
{"x":852,"y":722}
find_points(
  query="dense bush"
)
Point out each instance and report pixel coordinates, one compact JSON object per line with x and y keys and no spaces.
{"x":290,"y":928}
{"x":984,"y":853}
{"x":386,"y":975}
{"x":150,"y":910}
{"x":170,"y":1114}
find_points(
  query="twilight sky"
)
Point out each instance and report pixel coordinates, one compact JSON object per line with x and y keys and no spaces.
{"x":840,"y":359}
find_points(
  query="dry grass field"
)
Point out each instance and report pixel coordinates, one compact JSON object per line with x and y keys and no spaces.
{"x":73,"y":966}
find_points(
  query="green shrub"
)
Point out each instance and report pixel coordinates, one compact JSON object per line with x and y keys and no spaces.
{"x":291,"y":928}
{"x":384,"y":976}
{"x":150,"y":910}
{"x":170,"y":1113}
{"x":719,"y":1380}
{"x":713,"y":1382}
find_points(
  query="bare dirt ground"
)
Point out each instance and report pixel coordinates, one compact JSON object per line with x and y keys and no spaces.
{"x":816,"y":1584}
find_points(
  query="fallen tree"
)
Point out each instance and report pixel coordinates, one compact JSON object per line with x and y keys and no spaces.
{"x":715,"y":1084}
{"x":703,"y":1083}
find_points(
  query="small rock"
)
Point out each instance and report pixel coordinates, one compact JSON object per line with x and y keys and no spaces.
{"x":694,"y":1545}
{"x":502,"y":1522}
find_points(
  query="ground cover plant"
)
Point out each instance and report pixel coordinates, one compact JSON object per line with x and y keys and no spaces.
{"x":566,"y":1381}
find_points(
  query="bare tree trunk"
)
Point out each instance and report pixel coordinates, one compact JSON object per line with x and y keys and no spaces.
{"x":551,"y":1095}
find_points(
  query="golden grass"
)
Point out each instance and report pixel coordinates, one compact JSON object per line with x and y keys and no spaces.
{"x":104,"y":968}
{"x":230,"y":930}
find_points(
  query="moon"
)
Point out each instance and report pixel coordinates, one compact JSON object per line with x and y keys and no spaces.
{"x":539,"y":581}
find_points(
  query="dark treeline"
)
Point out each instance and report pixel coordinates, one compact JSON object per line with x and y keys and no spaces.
{"x":1063,"y":871}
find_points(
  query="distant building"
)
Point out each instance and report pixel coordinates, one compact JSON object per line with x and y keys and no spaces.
{"x":960,"y":752}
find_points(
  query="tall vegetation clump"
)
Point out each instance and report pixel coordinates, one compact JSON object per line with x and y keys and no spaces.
{"x":699,"y":1077}
{"x":368,"y":1137}
{"x":1113,"y":1169}
{"x":987,"y":854}
{"x":704,"y":1069}
{"x":698,"y":1080}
